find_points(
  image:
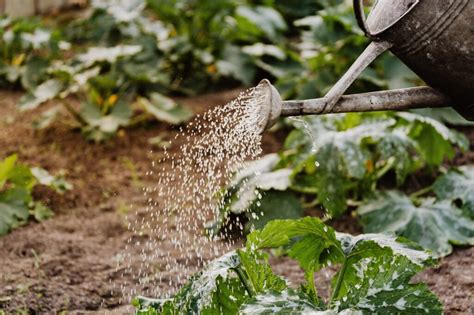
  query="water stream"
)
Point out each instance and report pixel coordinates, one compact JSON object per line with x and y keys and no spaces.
{"x":169,"y":232}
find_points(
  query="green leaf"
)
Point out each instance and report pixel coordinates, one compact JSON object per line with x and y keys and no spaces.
{"x":367,"y":245}
{"x":274,"y":205}
{"x":265,"y":18}
{"x":247,"y":191}
{"x":446,"y":115}
{"x":21,"y":176}
{"x":286,"y":302}
{"x":427,"y":131}
{"x":46,"y":118}
{"x":259,"y":50}
{"x":107,"y":54}
{"x":199,"y":292}
{"x":458,"y":186}
{"x":220,"y":288}
{"x":342,"y":158}
{"x":165,"y":109}
{"x":236,"y":64}
{"x":380,"y":284}
{"x":258,"y":272}
{"x":38,"y":38}
{"x":57,"y":182}
{"x":18,"y":175}
{"x":375,"y":274}
{"x":149,"y":306}
{"x":41,"y":212}
{"x":13,"y":209}
{"x":42,"y":93}
{"x":433,"y":225}
{"x":101,"y":127}
{"x":315,"y":247}
{"x":396,"y":147}
{"x":6,"y":167}
{"x":397,"y":74}
{"x":252,"y":191}
{"x":34,"y":72}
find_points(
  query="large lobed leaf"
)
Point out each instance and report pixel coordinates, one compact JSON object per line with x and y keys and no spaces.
{"x":44,"y":92}
{"x":286,"y":302}
{"x":376,"y":268}
{"x":101,"y":127}
{"x":374,"y":278}
{"x":257,"y":191}
{"x":220,"y":288}
{"x":435,"y":225}
{"x":458,"y":186}
{"x":14,"y":210}
{"x":341,"y":157}
{"x":427,"y":131}
{"x":165,"y":109}
{"x":16,"y":201}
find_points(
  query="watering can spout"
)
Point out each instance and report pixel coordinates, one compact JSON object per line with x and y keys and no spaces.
{"x":402,"y":99}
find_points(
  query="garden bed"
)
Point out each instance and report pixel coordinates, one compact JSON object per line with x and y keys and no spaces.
{"x":69,"y":262}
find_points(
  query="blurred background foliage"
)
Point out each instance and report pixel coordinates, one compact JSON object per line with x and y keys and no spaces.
{"x":118,"y":52}
{"x":125,"y":60}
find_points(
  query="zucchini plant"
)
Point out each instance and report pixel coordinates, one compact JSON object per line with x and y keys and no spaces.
{"x":374,"y":276}
{"x":445,"y":219}
{"x":109,"y":98}
{"x":16,"y":201}
{"x":337,"y":162}
{"x":27,"y":49}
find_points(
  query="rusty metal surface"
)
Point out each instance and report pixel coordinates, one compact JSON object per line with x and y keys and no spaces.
{"x":401,"y":99}
{"x":436,"y":40}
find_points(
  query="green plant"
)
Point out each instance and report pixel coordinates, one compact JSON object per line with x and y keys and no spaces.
{"x":337,"y":158}
{"x":444,"y":220}
{"x":97,"y":77}
{"x":339,"y":161}
{"x":188,"y":44}
{"x":374,"y":276}
{"x":26,"y":51}
{"x":16,"y":201}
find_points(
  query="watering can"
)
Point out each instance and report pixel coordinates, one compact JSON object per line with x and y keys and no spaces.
{"x":434,"y":38}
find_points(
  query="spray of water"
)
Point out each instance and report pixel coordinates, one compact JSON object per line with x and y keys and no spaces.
{"x":169,"y":233}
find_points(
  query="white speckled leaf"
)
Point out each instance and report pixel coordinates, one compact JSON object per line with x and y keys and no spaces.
{"x":433,"y":225}
{"x":197,"y":294}
{"x":379,"y":267}
{"x":379,"y":284}
{"x":286,"y":302}
{"x":351,"y":243}
{"x":458,"y":185}
{"x":107,"y":54}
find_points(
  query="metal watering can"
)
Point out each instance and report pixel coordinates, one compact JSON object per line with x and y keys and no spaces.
{"x":434,"y":38}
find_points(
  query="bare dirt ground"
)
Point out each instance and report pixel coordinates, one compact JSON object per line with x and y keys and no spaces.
{"x":68,"y":263}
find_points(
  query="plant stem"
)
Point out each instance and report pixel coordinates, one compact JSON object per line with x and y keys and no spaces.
{"x":384,"y":170}
{"x":340,"y":277}
{"x":138,"y":119}
{"x":74,"y":113}
{"x":248,"y":286}
{"x":311,"y":204}
{"x":421,"y":192}
{"x":303,"y":190}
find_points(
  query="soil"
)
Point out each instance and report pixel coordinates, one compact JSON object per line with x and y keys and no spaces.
{"x":68,"y":263}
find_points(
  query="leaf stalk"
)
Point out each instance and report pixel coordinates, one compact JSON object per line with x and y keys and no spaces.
{"x":245,"y":281}
{"x":340,"y":278}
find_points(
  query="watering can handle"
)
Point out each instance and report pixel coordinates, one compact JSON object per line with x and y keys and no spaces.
{"x":363,"y":61}
{"x":360,"y":16}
